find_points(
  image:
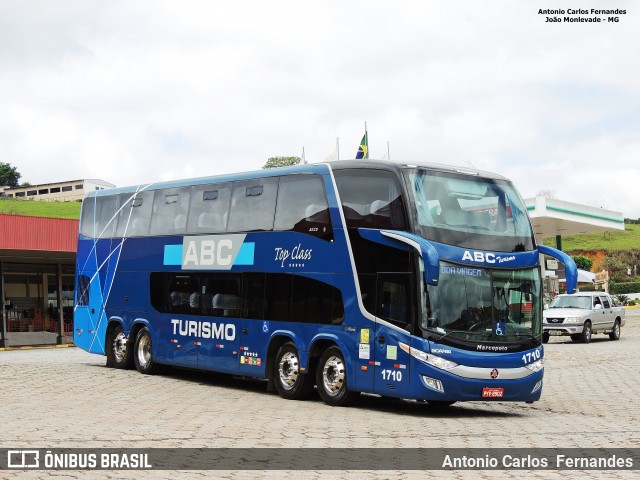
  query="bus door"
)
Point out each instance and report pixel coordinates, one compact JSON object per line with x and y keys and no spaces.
{"x":392,"y":364}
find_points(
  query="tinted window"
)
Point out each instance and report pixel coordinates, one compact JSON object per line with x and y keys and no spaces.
{"x":209,"y":208}
{"x":302,"y":206}
{"x":313,"y":301}
{"x":135,"y":216}
{"x":170,"y":208}
{"x":221,"y":295}
{"x":83,"y":290}
{"x":253,"y":204}
{"x":175,"y":292}
{"x":371,"y":199}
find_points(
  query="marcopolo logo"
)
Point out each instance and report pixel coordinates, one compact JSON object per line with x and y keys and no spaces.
{"x":210,"y":252}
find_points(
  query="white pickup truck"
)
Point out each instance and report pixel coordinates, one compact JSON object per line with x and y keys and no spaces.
{"x":582,"y":314}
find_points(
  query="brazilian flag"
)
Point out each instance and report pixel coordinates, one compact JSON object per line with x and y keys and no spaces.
{"x":363,"y":150}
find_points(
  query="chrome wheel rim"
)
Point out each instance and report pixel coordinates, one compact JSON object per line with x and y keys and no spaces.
{"x":120,"y":346}
{"x":144,"y":351}
{"x":333,"y":375}
{"x":288,"y":370}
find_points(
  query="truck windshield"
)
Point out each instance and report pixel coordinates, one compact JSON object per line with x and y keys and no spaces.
{"x":469,"y":211}
{"x":571,"y":302}
{"x":484,"y":305}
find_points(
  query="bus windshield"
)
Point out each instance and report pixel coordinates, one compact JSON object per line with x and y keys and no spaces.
{"x":485,"y":305}
{"x":469,"y":211}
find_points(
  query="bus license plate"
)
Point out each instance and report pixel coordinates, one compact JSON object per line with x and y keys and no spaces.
{"x":492,"y":392}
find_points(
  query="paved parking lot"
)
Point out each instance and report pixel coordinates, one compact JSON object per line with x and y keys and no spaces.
{"x":65,"y":397}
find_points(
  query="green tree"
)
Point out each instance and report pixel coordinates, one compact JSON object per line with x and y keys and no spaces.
{"x":9,"y":175}
{"x":274,"y":162}
{"x":583,"y":263}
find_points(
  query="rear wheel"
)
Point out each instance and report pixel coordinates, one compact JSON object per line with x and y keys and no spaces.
{"x":143,"y":353}
{"x":331,"y":379}
{"x":118,"y":349}
{"x":615,"y":333}
{"x":585,"y":337}
{"x":290,"y":382}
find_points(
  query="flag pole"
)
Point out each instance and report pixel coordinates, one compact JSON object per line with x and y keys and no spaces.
{"x":388,"y":154}
{"x":338,"y":148}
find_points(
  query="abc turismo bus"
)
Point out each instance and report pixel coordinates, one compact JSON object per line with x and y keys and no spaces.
{"x":411,"y":281}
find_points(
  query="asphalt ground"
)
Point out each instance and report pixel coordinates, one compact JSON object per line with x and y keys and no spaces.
{"x":67,"y":398}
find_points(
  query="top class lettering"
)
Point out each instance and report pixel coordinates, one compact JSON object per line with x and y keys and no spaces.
{"x":297,"y":254}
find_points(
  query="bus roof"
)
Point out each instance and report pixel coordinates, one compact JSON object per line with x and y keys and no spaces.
{"x":316,"y":168}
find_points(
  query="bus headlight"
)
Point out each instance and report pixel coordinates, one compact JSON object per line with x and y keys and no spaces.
{"x":429,"y":359}
{"x":536,"y":366}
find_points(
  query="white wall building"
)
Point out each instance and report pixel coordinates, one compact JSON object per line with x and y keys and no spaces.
{"x":69,"y":191}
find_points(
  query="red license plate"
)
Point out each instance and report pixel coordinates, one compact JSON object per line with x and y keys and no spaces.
{"x":492,"y":392}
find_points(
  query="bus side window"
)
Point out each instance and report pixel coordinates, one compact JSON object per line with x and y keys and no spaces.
{"x":314,"y":301}
{"x":170,"y":209}
{"x":106,"y":216}
{"x":135,"y":216}
{"x":253,"y":205}
{"x":83,"y":291}
{"x":209,"y":208}
{"x":371,"y":199}
{"x":302,"y":206}
{"x":221,"y":295}
{"x":87,"y":219}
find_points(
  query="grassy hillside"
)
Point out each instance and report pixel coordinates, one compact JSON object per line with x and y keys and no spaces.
{"x":629,"y":239}
{"x":35,"y":208}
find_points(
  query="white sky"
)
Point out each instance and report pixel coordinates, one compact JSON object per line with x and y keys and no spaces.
{"x":137,"y":91}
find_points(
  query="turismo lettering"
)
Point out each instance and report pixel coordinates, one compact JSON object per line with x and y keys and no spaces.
{"x":194,"y":328}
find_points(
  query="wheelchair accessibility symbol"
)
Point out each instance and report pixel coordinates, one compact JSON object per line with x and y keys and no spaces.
{"x":499,"y":330}
{"x":265,"y":327}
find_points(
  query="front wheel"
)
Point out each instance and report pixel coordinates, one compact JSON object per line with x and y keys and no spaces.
{"x":331,"y":379}
{"x":290,"y":382}
{"x":545,"y":337}
{"x":143,"y":353}
{"x":118,"y":349}
{"x":615,"y":333}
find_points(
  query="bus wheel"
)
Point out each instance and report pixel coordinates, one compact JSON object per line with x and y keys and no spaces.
{"x":331,"y":379}
{"x":143,"y":356}
{"x":119,"y":351}
{"x":290,"y":382}
{"x":545,"y":337}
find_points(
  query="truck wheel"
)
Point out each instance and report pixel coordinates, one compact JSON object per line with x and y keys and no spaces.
{"x":331,"y":379}
{"x":290,"y":382}
{"x":586,"y":333}
{"x":615,"y":333}
{"x":545,"y":337}
{"x":118,"y":349}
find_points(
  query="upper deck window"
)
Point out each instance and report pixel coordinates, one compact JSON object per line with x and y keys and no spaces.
{"x":371,"y":199}
{"x":302,"y":206}
{"x":253,"y":205}
{"x":469,"y":211}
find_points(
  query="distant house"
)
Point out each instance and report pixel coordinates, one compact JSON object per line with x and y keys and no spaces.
{"x":69,"y":191}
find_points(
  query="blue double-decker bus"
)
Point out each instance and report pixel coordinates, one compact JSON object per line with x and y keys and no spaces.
{"x":412,"y":281}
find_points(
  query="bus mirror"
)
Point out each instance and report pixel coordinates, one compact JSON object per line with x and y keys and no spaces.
{"x":398,"y":239}
{"x":571,"y":270}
